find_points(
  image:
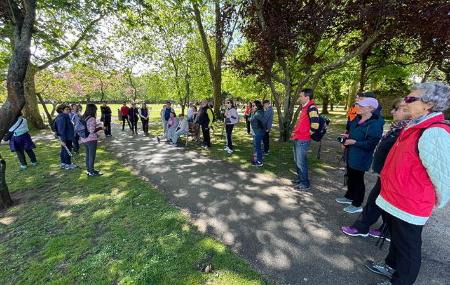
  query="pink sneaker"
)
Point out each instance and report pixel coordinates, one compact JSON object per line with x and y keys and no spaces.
{"x":351,"y":231}
{"x":377,"y":234}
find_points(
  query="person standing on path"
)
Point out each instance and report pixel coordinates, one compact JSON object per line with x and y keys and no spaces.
{"x":247,"y":114}
{"x":66,"y":133}
{"x":144,"y":118}
{"x":90,"y":142}
{"x":371,"y":212}
{"x":364,"y":134}
{"x":308,"y":122}
{"x":133,"y":115}
{"x":21,"y":142}
{"x":75,"y":119}
{"x":415,"y":179}
{"x":106,"y":119}
{"x":268,"y":118}
{"x":205,"y":119}
{"x":124,"y":110}
{"x":258,"y":129}
{"x":231,"y":118}
{"x":165,"y":116}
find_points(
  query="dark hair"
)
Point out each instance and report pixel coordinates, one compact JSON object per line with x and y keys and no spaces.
{"x":258,"y":105}
{"x":174,"y":114}
{"x":61,"y":108}
{"x":91,"y":111}
{"x":308,"y":92}
{"x":367,"y":95}
{"x":266,"y":101}
{"x":231,"y":102}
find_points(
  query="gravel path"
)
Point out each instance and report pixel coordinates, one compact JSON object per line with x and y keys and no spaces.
{"x":291,"y":237}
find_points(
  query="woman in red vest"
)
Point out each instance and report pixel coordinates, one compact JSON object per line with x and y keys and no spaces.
{"x":415,"y":179}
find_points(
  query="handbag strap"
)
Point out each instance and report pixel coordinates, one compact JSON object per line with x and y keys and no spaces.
{"x":21,"y":120}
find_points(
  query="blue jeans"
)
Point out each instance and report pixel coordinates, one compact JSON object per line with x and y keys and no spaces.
{"x":257,"y":140}
{"x":300,"y":157}
{"x":91,"y":149}
{"x":64,"y":155}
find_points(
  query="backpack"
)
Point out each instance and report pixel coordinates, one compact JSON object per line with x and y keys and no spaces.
{"x":324,"y":121}
{"x":80,"y":128}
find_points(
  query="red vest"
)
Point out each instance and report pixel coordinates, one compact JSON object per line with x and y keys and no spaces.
{"x":405,"y":183}
{"x":302,"y":130}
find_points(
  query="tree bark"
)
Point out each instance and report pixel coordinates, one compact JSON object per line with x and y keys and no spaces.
{"x":22,"y":20}
{"x":31,"y":108}
{"x":325,"y":102}
{"x":363,"y":71}
{"x":47,"y":113}
{"x":5,"y":198}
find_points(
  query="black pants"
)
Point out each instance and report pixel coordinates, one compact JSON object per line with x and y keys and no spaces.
{"x":64,"y":155}
{"x":371,"y":212}
{"x":91,"y":150}
{"x":247,"y":123}
{"x":206,"y":136}
{"x":145,"y":125}
{"x":355,"y":186}
{"x":21,"y":156}
{"x":76,"y":143}
{"x":107,"y":126}
{"x":266,"y":142}
{"x":229,"y":131}
{"x":125,"y":118}
{"x":404,"y":250}
{"x":134,"y":126}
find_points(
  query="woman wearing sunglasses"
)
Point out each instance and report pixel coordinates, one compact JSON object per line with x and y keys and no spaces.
{"x":371,"y":212}
{"x":231,"y":118}
{"x":415,"y":179}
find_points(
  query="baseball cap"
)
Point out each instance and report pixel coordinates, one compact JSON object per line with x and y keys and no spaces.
{"x":368,"y":102}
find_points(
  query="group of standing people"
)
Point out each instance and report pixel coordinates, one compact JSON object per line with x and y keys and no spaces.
{"x":132,"y":114}
{"x":71,"y":128}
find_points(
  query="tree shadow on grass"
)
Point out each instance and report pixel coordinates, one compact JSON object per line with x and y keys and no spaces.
{"x":107,"y":230}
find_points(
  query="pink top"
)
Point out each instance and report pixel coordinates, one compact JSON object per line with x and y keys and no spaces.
{"x":91,"y":125}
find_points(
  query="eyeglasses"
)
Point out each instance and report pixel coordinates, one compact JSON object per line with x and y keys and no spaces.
{"x":411,"y":99}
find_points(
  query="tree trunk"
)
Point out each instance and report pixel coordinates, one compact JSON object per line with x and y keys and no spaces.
{"x":325,"y":102}
{"x":31,"y":108}
{"x":331,"y":106}
{"x":5,"y":198}
{"x":363,"y":74}
{"x":47,"y":113}
{"x":21,"y":19}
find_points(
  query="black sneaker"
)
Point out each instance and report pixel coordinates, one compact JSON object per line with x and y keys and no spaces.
{"x":380,"y":268}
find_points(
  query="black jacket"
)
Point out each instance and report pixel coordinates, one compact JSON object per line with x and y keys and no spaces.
{"x":382,"y":150}
{"x":203,"y":118}
{"x":106,"y":114}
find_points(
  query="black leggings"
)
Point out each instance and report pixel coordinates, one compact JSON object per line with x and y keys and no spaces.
{"x":125,"y":118}
{"x":134,"y":126}
{"x":206,"y":136}
{"x":229,"y":130}
{"x":145,"y":125}
{"x":371,"y":212}
{"x":356,"y":186}
{"x":21,"y":156}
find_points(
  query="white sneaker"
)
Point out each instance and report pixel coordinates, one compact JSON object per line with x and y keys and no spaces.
{"x":343,"y":200}
{"x":71,"y":166}
{"x":63,"y":166}
{"x":353,"y":209}
{"x":230,"y":151}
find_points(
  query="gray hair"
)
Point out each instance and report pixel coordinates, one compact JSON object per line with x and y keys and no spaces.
{"x":436,"y":93}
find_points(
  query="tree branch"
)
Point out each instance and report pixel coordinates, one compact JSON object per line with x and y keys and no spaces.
{"x":74,"y":46}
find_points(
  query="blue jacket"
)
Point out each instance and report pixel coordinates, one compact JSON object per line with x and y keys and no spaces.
{"x":257,"y":122}
{"x":64,"y":127}
{"x":268,"y":117}
{"x":367,"y":136}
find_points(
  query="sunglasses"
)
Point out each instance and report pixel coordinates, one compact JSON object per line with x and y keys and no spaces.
{"x":411,"y":99}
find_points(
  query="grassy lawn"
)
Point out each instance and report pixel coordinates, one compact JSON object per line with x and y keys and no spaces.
{"x":116,"y":229}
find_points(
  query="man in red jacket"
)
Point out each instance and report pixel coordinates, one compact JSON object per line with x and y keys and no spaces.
{"x":124,"y":110}
{"x":308,"y":122}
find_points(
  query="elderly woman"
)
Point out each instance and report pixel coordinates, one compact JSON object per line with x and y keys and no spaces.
{"x":415,"y":178}
{"x":364,"y":133}
{"x":371,"y":212}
